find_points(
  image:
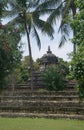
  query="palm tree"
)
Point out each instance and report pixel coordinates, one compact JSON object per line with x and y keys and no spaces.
{"x":2,"y":7}
{"x":26,"y":15}
{"x":64,"y":10}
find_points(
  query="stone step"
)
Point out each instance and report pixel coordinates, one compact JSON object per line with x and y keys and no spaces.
{"x":64,"y":110}
{"x":53,"y":104}
{"x":47,"y":93}
{"x":42,"y":115}
{"x":22,"y":103}
{"x":39,"y":97}
{"x":53,"y":107}
{"x":37,"y":85}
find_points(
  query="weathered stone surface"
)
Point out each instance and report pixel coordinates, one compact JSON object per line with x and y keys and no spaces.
{"x":63,"y":104}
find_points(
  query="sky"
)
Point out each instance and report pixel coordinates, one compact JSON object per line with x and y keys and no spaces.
{"x":45,"y":42}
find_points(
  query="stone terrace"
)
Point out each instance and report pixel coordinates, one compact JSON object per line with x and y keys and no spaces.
{"x":24,"y":103}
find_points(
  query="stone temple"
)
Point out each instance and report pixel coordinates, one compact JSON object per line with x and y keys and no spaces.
{"x":48,"y":59}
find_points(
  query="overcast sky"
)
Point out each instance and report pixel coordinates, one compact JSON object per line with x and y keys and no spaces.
{"x":45,"y":42}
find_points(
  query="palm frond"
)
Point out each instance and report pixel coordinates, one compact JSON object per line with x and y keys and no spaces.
{"x":45,"y":27}
{"x":49,"y":4}
{"x":18,"y":24}
{"x":55,"y":14}
{"x":13,"y":9}
{"x":64,"y":28}
{"x":36,"y":35}
{"x":14,"y":21}
{"x":66,"y":7}
{"x":12,"y":3}
{"x":3,"y":7}
{"x":33,"y":3}
{"x":48,"y":29}
{"x":65,"y":31}
{"x":17,"y":5}
{"x":62,"y":41}
{"x":42,"y":12}
{"x":10,"y":14}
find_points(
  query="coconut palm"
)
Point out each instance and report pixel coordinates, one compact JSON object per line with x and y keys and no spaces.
{"x":26,"y":15}
{"x":64,"y":10}
{"x":2,"y":7}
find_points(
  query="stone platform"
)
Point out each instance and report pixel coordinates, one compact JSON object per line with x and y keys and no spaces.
{"x":62,"y":104}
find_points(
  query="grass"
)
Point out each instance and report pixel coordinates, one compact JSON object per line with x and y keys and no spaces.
{"x":40,"y":124}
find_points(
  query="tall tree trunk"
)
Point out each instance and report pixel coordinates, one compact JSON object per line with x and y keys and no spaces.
{"x":30,"y":55}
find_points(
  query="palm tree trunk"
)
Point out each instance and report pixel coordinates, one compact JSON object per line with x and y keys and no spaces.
{"x":30,"y":55}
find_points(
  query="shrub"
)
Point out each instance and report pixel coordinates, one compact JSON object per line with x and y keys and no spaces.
{"x":53,"y":79}
{"x":78,"y":69}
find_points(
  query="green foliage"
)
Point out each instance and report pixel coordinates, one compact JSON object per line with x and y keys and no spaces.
{"x":79,"y":4}
{"x":81,"y":89}
{"x":23,"y":70}
{"x":37,"y":64}
{"x":63,"y":66}
{"x":10,"y":53}
{"x":78,"y":68}
{"x":2,"y":7}
{"x":53,"y":79}
{"x":21,"y":74}
{"x":64,"y":10}
{"x":28,"y":17}
{"x":78,"y":23}
{"x":78,"y":58}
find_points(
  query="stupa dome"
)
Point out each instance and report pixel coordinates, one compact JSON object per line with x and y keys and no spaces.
{"x":48,"y":58}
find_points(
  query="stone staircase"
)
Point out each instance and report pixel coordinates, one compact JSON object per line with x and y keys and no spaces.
{"x":62,"y":104}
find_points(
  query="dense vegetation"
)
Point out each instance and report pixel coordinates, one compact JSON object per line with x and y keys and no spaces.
{"x":10,"y":53}
{"x":78,"y":58}
{"x":27,"y":19}
{"x":54,"y":77}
